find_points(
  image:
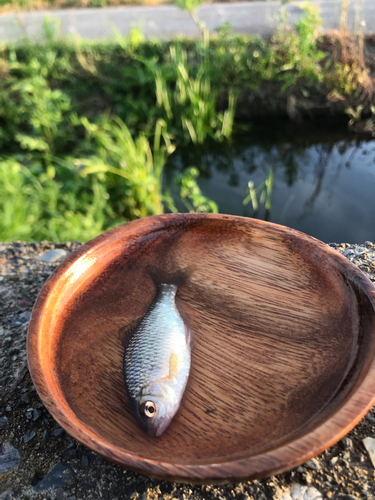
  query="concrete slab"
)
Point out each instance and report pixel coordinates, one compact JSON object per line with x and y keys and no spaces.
{"x":167,"y":21}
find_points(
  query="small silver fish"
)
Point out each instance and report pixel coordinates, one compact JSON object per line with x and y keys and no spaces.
{"x":157,"y":362}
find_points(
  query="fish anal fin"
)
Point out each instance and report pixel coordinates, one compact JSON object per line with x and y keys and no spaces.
{"x":190,"y":337}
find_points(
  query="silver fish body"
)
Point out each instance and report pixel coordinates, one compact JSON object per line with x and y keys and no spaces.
{"x":157,"y":363}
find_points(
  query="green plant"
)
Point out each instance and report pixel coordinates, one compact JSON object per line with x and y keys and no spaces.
{"x":290,"y":55}
{"x":38,"y":204}
{"x":131,"y":43}
{"x":345,"y":79}
{"x":139,"y":193}
{"x":18,"y":215}
{"x":296,"y":52}
{"x":265,"y":190}
{"x":346,"y":73}
{"x":193,"y":101}
{"x":118,"y":156}
{"x":191,"y":195}
{"x":360,"y":124}
{"x":52,"y":29}
{"x":191,"y":6}
{"x":36,"y":115}
{"x":354,"y":114}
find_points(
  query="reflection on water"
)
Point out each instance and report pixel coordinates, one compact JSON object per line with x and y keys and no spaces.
{"x":323,"y":181}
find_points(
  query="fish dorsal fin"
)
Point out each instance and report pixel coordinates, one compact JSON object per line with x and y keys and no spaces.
{"x":188,"y":316}
{"x":126,"y":332}
{"x":186,"y":312}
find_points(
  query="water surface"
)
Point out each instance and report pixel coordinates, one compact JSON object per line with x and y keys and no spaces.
{"x":323,"y":185}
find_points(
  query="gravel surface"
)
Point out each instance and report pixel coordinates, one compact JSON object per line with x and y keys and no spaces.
{"x":39,"y":460}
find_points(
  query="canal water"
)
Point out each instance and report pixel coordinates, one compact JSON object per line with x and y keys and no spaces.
{"x":323,"y":181}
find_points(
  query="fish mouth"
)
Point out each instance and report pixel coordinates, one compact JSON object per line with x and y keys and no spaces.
{"x":155,"y":428}
{"x":152,"y":432}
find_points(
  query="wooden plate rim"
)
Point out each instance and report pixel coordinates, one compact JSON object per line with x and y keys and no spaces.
{"x":275,"y":461}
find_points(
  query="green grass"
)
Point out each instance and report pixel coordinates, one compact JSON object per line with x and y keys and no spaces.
{"x":38,"y":203}
{"x":86,"y":128}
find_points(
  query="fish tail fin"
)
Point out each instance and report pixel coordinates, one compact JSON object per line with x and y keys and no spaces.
{"x":177,"y":278}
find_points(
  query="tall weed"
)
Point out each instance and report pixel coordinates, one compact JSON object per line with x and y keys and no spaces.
{"x":35,"y":116}
{"x":132,"y":173}
{"x":265,"y":190}
{"x":295,"y":53}
{"x":190,"y":193}
{"x":193,"y":102}
{"x":36,"y":204}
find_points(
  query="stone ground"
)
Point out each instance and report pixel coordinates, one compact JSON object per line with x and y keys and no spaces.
{"x":39,"y":460}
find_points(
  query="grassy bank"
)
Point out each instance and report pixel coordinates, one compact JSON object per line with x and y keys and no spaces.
{"x":86,"y":129}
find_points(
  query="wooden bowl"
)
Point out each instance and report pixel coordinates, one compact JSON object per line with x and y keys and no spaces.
{"x":283,"y":364}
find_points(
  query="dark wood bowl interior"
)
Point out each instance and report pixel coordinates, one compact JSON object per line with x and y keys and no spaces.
{"x":282,"y":364}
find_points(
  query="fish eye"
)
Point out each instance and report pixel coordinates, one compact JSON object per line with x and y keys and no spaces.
{"x":149,"y":409}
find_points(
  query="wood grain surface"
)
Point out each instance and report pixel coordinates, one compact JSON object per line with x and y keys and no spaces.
{"x":283,"y":363}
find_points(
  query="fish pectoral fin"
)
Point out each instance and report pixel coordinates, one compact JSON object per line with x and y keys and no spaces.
{"x":174,"y":365}
{"x":125,"y":333}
